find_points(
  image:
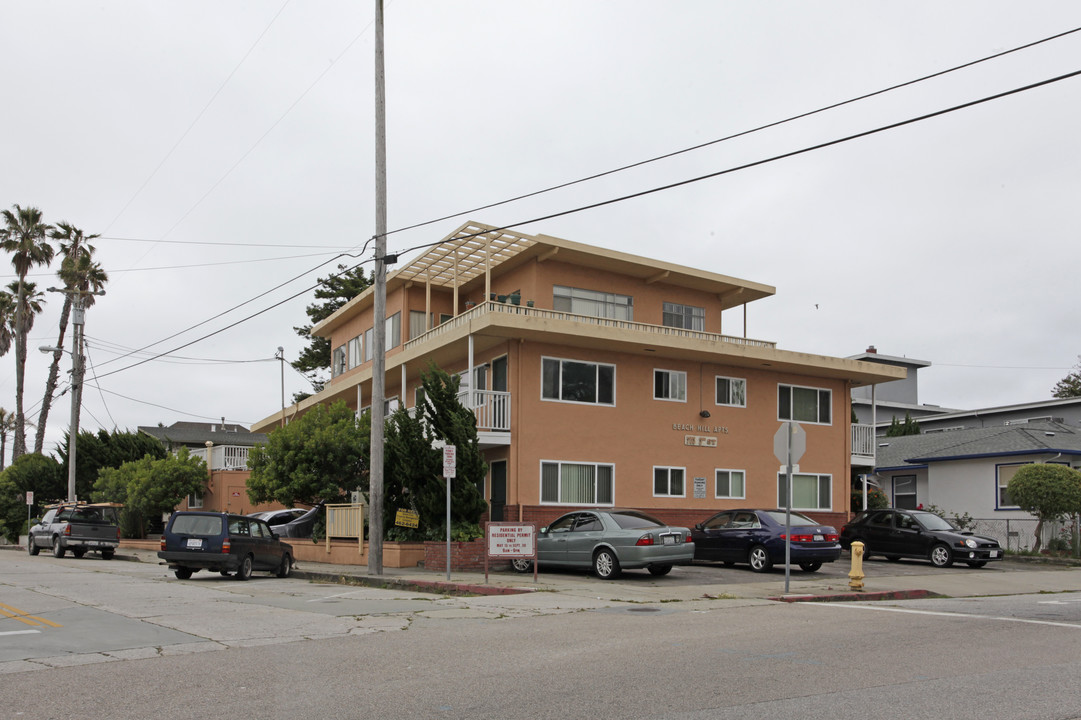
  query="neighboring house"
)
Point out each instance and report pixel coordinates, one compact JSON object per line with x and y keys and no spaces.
{"x":1065,"y":411}
{"x":224,"y":447}
{"x":600,"y":378}
{"x":968,"y":471}
{"x":895,"y":399}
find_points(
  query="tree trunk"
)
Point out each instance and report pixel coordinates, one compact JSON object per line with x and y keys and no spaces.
{"x":18,"y":446}
{"x":54,"y":372}
{"x":1039,"y":532}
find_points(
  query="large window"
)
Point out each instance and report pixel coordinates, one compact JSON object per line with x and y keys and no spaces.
{"x":417,"y":323}
{"x":731,"y":391}
{"x":369,"y":344}
{"x":394,"y":330}
{"x":730,"y":484}
{"x":809,"y":492}
{"x":670,"y":385}
{"x":580,"y":382}
{"x":592,"y":302}
{"x":687,"y":317}
{"x":355,"y":357}
{"x":803,"y":404}
{"x":577,"y":483}
{"x":668,"y":482}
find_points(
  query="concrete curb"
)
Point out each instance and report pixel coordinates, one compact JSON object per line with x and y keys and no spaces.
{"x":859,"y":596}
{"x":385,"y":581}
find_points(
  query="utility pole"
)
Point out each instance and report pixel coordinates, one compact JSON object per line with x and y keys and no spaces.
{"x":379,"y":309}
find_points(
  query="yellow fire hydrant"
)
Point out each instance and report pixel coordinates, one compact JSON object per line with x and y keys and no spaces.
{"x":855,"y":575}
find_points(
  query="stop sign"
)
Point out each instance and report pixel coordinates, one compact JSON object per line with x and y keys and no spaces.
{"x":780,"y":443}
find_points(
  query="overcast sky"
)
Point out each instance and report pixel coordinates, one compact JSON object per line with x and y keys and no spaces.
{"x":224,"y":149}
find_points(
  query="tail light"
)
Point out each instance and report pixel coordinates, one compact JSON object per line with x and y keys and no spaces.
{"x":800,"y":538}
{"x":688,"y":539}
{"x":225,"y":546}
{"x":646,"y":539}
{"x":118,"y":534}
{"x":833,"y":538}
{"x":67,"y":529}
{"x":163,"y":543}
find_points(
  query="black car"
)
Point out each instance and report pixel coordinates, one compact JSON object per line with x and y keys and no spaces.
{"x":897,"y":533}
{"x":757,"y":537}
{"x":223,"y":543}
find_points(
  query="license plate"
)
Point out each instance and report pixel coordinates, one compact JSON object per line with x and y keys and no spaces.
{"x":819,"y":538}
{"x":993,"y":553}
{"x":668,"y":540}
{"x":195,"y":543}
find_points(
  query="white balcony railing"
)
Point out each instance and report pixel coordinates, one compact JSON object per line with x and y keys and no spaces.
{"x":863,"y":441}
{"x":491,"y":407}
{"x":224,"y":457}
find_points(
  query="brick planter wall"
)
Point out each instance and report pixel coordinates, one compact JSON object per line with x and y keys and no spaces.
{"x":464,"y":557}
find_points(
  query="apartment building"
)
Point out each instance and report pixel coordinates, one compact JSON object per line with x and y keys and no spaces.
{"x":600,"y":378}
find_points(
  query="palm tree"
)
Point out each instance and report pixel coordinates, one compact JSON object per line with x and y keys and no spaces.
{"x":7,"y":321}
{"x":82,"y":276}
{"x":23,"y":236}
{"x":7,"y":424}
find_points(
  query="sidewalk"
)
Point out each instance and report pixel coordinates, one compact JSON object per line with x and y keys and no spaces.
{"x":1009,"y":577}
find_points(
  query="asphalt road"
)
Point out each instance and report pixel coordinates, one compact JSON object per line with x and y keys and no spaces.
{"x":127,"y":640}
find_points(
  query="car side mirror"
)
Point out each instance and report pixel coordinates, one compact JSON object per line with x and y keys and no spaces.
{"x":698,"y":526}
{"x":543,"y":531}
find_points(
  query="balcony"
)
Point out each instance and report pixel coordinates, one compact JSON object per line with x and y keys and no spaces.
{"x":863,"y":445}
{"x":224,"y":457}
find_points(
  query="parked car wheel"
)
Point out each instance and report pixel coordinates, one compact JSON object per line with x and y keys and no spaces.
{"x":941,"y":555}
{"x":659,"y":570}
{"x":286,"y":567}
{"x":182,"y":573}
{"x":759,"y":559}
{"x":32,"y":548}
{"x":107,"y":554}
{"x":977,"y":563}
{"x":522,"y":565}
{"x":243,"y":572}
{"x":810,"y":566}
{"x":606,"y":565}
{"x":58,"y":549}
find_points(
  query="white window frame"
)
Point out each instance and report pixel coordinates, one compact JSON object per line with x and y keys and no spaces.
{"x":730,"y":496}
{"x":783,"y":387}
{"x":611,"y":469}
{"x":676,"y":384}
{"x":369,"y":344}
{"x":691,"y":317}
{"x":195,"y":501}
{"x":914,"y":494}
{"x":338,"y":361}
{"x":820,"y":479}
{"x":593,"y":303}
{"x":559,"y":381}
{"x":731,"y":380}
{"x":356,"y":355}
{"x":667,"y":470}
{"x":394,"y":330}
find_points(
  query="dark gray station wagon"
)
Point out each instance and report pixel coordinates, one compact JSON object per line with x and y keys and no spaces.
{"x":224,"y":543}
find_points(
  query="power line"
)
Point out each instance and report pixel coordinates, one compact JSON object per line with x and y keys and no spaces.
{"x":736,"y":135}
{"x":756,"y":163}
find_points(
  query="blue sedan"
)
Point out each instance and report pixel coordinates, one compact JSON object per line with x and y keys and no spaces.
{"x":757,"y":537}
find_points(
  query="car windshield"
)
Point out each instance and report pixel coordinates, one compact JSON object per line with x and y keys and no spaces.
{"x":930,"y":521}
{"x":634,"y":520}
{"x":208,"y":525}
{"x":798,"y":519}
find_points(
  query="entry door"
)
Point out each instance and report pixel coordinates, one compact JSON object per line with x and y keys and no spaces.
{"x":498,"y":469}
{"x":499,"y":374}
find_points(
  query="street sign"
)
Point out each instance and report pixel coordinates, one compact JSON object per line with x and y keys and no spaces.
{"x":780,"y":443}
{"x":29,"y":497}
{"x":449,"y":461}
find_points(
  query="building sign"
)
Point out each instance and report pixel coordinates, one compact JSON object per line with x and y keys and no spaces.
{"x":407,"y":518}
{"x":690,"y":427}
{"x":700,"y":440}
{"x":700,"y":488}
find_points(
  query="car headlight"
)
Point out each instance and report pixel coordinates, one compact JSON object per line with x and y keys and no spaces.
{"x":970,"y":543}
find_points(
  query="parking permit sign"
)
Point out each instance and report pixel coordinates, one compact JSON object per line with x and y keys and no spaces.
{"x":450,"y":458}
{"x":511,"y":541}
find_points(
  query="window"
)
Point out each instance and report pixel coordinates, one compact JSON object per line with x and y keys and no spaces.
{"x":394,"y":330}
{"x":195,"y":501}
{"x":668,"y":482}
{"x":731,"y":391}
{"x":904,"y":492}
{"x":369,"y":339}
{"x":809,"y":492}
{"x":687,"y":317}
{"x":1005,"y":473}
{"x":593,"y":303}
{"x":580,"y":382}
{"x":338,"y":366}
{"x":417,"y":323}
{"x":669,"y":385}
{"x":355,"y":356}
{"x":803,"y":404}
{"x":576,"y":483}
{"x":730,"y":484}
